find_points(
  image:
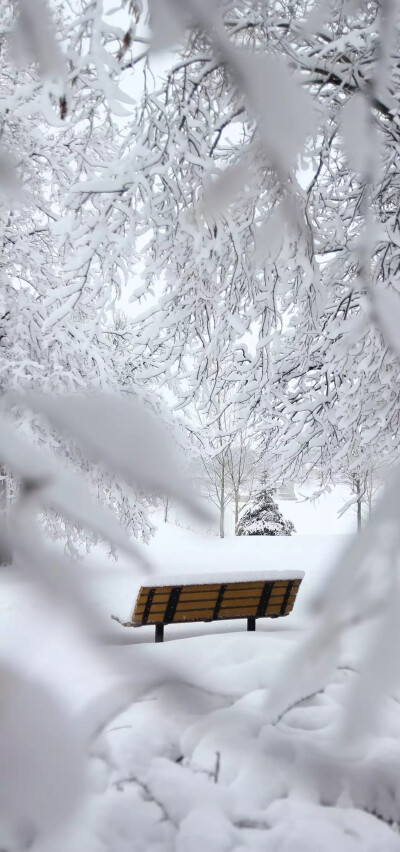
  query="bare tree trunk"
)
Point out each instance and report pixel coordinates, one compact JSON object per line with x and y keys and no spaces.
{"x":3,"y":490}
{"x":166,"y":509}
{"x":236,"y":509}
{"x":222,"y":522}
{"x":370,"y":489}
{"x":359,"y":504}
{"x":222,"y":504}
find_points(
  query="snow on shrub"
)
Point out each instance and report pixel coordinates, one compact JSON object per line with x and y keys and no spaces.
{"x":262,"y":517}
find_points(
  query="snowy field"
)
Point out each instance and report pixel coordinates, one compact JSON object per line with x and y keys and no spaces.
{"x":197,"y":764}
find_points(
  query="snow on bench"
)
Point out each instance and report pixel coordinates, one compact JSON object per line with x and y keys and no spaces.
{"x":177,"y":600}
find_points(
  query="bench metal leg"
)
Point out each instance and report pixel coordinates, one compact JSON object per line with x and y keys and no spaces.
{"x":159,"y":633}
{"x":251,"y":623}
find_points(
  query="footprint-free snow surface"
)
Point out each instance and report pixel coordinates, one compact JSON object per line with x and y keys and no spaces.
{"x":197,"y":764}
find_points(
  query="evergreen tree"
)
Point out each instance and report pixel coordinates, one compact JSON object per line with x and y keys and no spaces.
{"x":262,"y":517}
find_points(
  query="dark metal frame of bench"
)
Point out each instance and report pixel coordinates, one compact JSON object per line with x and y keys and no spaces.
{"x":190,"y":602}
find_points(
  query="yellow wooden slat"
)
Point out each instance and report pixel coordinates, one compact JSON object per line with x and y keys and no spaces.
{"x":161,"y":595}
{"x":158,"y":601}
{"x":234,"y":594}
{"x":190,"y":603}
{"x":237,"y":612}
{"x":199,"y":594}
{"x":241,"y":600}
{"x":158,"y":609}
{"x":141,"y":599}
{"x":188,"y":606}
{"x":273,"y":610}
{"x":199,"y":614}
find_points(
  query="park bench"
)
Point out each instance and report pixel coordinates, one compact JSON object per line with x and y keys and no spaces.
{"x":246,"y":596}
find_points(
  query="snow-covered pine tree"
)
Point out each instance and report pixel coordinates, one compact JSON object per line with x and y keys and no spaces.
{"x":262,"y":517}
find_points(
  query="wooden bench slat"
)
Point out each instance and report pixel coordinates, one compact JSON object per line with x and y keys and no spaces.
{"x":210,"y":595}
{"x":244,"y":594}
{"x":274,"y":610}
{"x":195,"y":613}
{"x":186,"y":612}
{"x":162,"y":597}
{"x":255,"y":586}
{"x":210,"y":601}
{"x":237,"y":611}
{"x":189,"y":605}
{"x":160,"y":609}
{"x":252,"y":599}
{"x":195,"y":593}
{"x":207,"y":602}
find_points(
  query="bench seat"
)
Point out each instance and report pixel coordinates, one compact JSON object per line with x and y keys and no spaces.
{"x":180,"y":602}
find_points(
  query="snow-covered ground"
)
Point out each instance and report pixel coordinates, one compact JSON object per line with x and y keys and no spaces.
{"x":320,"y":516}
{"x":197,"y":764}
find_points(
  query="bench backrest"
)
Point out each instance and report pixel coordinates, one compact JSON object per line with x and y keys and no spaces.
{"x":214,"y":601}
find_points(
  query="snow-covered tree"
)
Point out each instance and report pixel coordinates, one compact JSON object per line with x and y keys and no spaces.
{"x":238,"y":231}
{"x":262,"y":517}
{"x":212,"y":456}
{"x":242,"y":233}
{"x":59,"y":97}
{"x":225,"y":457}
{"x":243,"y":467}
